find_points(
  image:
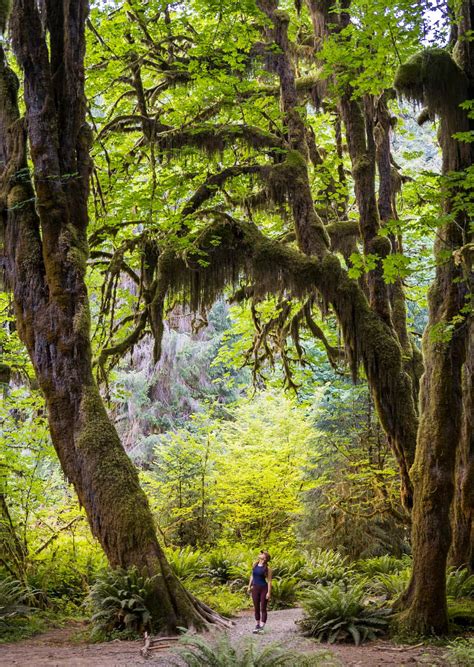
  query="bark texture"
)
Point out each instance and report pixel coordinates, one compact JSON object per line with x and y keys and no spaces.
{"x":46,"y":249}
{"x":442,"y":84}
{"x":462,"y":518}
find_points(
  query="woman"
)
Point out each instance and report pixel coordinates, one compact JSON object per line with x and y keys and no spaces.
{"x":261,"y":586}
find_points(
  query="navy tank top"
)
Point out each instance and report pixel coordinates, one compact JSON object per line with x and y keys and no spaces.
{"x":259,"y":573}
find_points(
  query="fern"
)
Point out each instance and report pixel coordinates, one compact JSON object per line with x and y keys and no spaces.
{"x":197,"y":652}
{"x":461,"y":612}
{"x":390,"y":585}
{"x":118,"y":602}
{"x":325,"y":566}
{"x":334,"y":614}
{"x":284,"y":593}
{"x":459,"y":583}
{"x":381,"y":565}
{"x":286,"y":563}
{"x":220,"y":567}
{"x":185,"y":563}
{"x":13,"y":600}
{"x":460,"y":652}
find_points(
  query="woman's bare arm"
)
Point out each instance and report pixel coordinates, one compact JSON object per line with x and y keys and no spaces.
{"x":250,"y":582}
{"x":269,"y":580}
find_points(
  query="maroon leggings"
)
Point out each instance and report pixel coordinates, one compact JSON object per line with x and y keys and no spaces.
{"x":259,"y":597}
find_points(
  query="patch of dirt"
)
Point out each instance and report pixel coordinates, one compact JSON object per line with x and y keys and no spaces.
{"x":281,"y":627}
{"x":60,"y":647}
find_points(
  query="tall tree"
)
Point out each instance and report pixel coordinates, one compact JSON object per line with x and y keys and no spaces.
{"x":45,"y":229}
{"x":443,"y":83}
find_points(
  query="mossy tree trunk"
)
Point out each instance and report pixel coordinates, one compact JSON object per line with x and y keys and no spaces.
{"x":441,"y":86}
{"x":46,"y":251}
{"x":462,"y":547}
{"x":390,"y":183}
{"x":442,"y":83}
{"x":369,"y":335}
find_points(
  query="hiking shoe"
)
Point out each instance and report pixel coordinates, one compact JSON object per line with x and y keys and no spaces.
{"x":256,"y":630}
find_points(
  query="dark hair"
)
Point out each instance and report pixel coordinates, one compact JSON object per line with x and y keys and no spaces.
{"x":267,"y":558}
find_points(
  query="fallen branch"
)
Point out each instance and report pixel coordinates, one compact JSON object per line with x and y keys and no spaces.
{"x":157,"y":644}
{"x":401,"y":649}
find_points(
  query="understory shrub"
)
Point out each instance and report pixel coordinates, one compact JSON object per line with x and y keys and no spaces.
{"x":284,"y":593}
{"x":221,"y":598}
{"x":197,"y":652}
{"x":459,"y":583}
{"x":287,"y":563}
{"x":118,"y":603}
{"x":14,"y":597}
{"x":220,"y":567}
{"x":18,"y":618}
{"x":65,"y":575}
{"x":460,"y":653}
{"x":389,"y":585}
{"x":386,"y":564}
{"x":228,"y":566}
{"x":324,"y":566}
{"x":334,"y":614}
{"x":186,"y":563}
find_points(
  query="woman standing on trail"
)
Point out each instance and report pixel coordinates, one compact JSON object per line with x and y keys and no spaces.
{"x":261,"y":586}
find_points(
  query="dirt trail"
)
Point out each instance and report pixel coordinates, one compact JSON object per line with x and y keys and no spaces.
{"x":58,"y":648}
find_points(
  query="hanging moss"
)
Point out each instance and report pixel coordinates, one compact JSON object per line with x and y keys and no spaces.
{"x":304,"y":84}
{"x":424,"y":116}
{"x":282,"y":178}
{"x":228,"y":252}
{"x":380,"y":246}
{"x":344,"y":236}
{"x":281,"y":16}
{"x":295,"y":160}
{"x":314,"y":87}
{"x":361,"y":164}
{"x":261,"y":201}
{"x":433,"y":79}
{"x":214,"y":139}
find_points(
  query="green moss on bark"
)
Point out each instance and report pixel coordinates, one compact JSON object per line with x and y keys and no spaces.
{"x":432,"y":78}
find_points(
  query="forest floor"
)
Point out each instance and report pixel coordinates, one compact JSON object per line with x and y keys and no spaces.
{"x":67,"y":646}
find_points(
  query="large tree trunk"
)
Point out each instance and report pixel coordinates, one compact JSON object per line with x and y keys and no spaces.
{"x":433,"y":471}
{"x":46,"y":252}
{"x":445,"y":342}
{"x":462,"y":548}
{"x":390,"y":183}
{"x":441,"y":396}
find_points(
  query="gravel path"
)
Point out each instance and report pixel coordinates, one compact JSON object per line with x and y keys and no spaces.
{"x":59,"y":648}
